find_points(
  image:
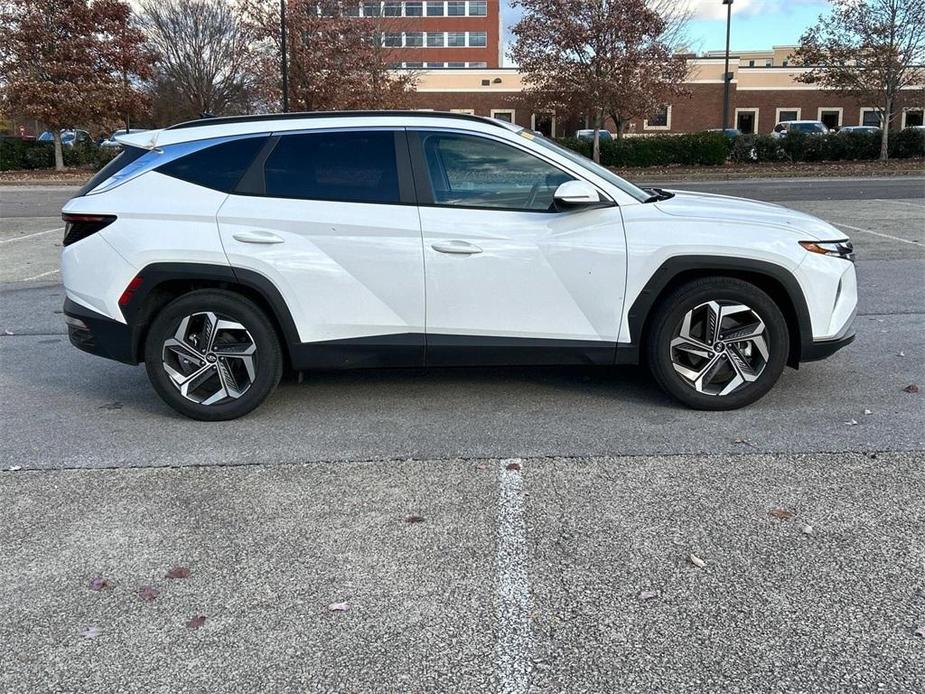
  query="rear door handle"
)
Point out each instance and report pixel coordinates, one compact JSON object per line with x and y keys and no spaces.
{"x":257,"y":237}
{"x":456,"y":247}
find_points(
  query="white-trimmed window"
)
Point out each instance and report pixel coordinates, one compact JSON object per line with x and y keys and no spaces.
{"x":463,"y":111}
{"x":746,"y":120}
{"x":414,"y":38}
{"x":658,"y":121}
{"x":456,"y":38}
{"x":457,"y":64}
{"x":392,"y":8}
{"x":456,"y":8}
{"x":436,"y":39}
{"x":372,"y":9}
{"x":436,"y":9}
{"x":870,"y":116}
{"x":392,"y":39}
{"x":478,"y":39}
{"x":544,"y":123}
{"x":832,"y":117}
{"x":414,"y":9}
{"x":505,"y":114}
{"x":912,"y":116}
{"x":478,"y":8}
{"x":787,"y":114}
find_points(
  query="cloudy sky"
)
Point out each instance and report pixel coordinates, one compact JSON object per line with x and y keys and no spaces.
{"x":755,"y":23}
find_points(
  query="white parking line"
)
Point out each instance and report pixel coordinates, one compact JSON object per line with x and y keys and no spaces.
{"x":29,"y":236}
{"x":35,"y":277}
{"x":877,"y":233}
{"x":513,"y":647}
{"x":902,"y":202}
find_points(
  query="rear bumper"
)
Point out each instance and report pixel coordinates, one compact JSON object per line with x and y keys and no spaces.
{"x":97,"y":334}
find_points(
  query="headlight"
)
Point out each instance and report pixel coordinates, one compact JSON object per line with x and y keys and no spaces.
{"x":839,"y":249}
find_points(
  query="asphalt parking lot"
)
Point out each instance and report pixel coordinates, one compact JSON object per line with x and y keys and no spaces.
{"x":571,"y":574}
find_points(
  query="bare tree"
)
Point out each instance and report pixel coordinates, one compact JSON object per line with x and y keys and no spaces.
{"x":204,"y":55}
{"x":869,"y":50}
{"x":603,"y":57}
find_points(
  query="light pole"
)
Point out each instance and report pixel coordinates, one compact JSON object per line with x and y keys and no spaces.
{"x":285,"y":57}
{"x":727,"y":77}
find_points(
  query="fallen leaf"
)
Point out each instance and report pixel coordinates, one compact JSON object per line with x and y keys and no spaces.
{"x":745,"y":442}
{"x":867,"y":412}
{"x":178,"y":572}
{"x":807,"y":529}
{"x":901,"y":354}
{"x":15,"y":468}
{"x":513,"y":467}
{"x":911,"y":388}
{"x":696,"y":561}
{"x":339,"y":607}
{"x":852,"y":422}
{"x":147,"y":593}
{"x":648,"y":595}
{"x":9,"y":332}
{"x":100,"y":583}
{"x":91,"y":632}
{"x":781,"y":513}
{"x":481,"y":467}
{"x":920,"y":632}
{"x":414,"y":519}
{"x":196,"y":621}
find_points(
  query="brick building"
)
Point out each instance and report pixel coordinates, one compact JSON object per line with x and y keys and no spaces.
{"x":764,"y":91}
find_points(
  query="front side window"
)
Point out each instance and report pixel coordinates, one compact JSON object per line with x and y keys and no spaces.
{"x":471,"y":171}
{"x":353,"y":166}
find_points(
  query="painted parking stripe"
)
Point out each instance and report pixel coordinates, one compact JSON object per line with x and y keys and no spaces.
{"x":35,"y":277}
{"x":902,"y":202}
{"x":513,"y":647}
{"x":877,"y":233}
{"x":29,"y":236}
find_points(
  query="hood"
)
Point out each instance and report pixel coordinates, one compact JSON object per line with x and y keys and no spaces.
{"x":723,"y":208}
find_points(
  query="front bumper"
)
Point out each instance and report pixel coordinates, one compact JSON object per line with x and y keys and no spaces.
{"x":821,"y":349}
{"x":97,"y":334}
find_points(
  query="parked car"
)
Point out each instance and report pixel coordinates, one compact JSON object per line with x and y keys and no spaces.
{"x":588,"y":135}
{"x":731,"y":133}
{"x":855,"y":129}
{"x":69,"y":138}
{"x":218,"y":251}
{"x":806,"y":127}
{"x":111,"y":141}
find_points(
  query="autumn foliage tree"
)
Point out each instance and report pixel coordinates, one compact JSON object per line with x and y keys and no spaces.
{"x":871,"y":51}
{"x":336,"y":62}
{"x":70,"y":63}
{"x":600,"y":57}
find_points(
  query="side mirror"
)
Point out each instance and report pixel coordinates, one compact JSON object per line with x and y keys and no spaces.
{"x":576,"y":194}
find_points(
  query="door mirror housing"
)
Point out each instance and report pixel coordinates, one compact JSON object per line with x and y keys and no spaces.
{"x":578,"y":194}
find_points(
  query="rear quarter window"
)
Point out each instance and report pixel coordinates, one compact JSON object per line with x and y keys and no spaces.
{"x":123,"y":159}
{"x":219,"y":167}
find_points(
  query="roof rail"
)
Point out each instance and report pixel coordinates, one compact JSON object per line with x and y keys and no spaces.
{"x":203,"y":122}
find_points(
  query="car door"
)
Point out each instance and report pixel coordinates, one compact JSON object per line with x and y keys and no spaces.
{"x":328,"y":217}
{"x":509,"y":278}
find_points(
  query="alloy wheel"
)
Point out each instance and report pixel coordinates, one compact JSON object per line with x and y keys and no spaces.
{"x":210,"y":359}
{"x":720,"y":347}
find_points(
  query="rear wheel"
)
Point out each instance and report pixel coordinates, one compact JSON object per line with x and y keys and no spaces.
{"x":212,"y":355}
{"x":717,"y":343}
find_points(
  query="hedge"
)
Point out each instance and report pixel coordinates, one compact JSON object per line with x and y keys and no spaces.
{"x":29,"y":154}
{"x":658,"y":150}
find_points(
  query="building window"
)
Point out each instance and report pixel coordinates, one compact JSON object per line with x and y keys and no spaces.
{"x":747,"y":120}
{"x":394,"y":66}
{"x":507,"y":115}
{"x":478,"y":64}
{"x":832,"y":117}
{"x":870,"y":116}
{"x":391,"y":39}
{"x":751,"y":63}
{"x":456,"y":38}
{"x":478,"y":39}
{"x":478,"y":8}
{"x":786,"y":114}
{"x":456,"y":65}
{"x":456,"y":8}
{"x":785,"y":63}
{"x":658,"y":121}
{"x":414,"y":9}
{"x":416,"y":66}
{"x":435,"y":39}
{"x":431,"y":66}
{"x":392,"y":9}
{"x":464,"y":111}
{"x":543,"y":123}
{"x":912,"y":118}
{"x":414,"y":38}
{"x":768,"y":62}
{"x":352,"y":9}
{"x":435,"y":9}
{"x":372,"y":9}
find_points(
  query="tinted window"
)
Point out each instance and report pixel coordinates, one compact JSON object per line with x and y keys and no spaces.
{"x":124,"y":158}
{"x":470,"y":171}
{"x":344,"y":166}
{"x":219,"y":167}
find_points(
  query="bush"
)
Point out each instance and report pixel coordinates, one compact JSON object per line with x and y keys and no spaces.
{"x":658,"y":150}
{"x":29,"y":154}
{"x":907,"y":143}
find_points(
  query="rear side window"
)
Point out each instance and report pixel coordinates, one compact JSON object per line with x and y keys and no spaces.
{"x":339,"y":166}
{"x":219,"y":167}
{"x":123,"y":159}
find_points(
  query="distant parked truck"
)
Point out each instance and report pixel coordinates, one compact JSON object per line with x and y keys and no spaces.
{"x":806,"y":127}
{"x":588,"y":135}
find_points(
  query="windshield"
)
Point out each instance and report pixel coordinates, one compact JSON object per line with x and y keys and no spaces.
{"x":808,"y":127}
{"x":586,"y":163}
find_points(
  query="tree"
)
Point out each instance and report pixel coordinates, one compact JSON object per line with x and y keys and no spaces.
{"x":70,"y":62}
{"x":601,"y":57}
{"x":336,"y":61}
{"x":868,"y":50}
{"x":204,"y":57}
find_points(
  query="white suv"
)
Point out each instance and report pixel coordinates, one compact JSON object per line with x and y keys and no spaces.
{"x":221,"y":251}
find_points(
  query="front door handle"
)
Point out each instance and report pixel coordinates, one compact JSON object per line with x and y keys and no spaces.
{"x":456,"y":247}
{"x":257,"y":237}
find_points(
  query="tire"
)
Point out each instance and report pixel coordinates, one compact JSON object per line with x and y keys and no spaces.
{"x":213,"y":355}
{"x":706,"y":373}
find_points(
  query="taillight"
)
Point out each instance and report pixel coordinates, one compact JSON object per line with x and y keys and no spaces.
{"x":130,"y":290}
{"x":80,"y":226}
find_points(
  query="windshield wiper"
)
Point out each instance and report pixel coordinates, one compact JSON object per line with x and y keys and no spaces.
{"x":657,"y":194}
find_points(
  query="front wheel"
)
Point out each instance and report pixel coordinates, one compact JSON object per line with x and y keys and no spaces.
{"x":717,"y":343}
{"x":212,"y":355}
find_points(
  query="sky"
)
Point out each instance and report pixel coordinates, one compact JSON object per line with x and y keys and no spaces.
{"x":756,"y":24}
